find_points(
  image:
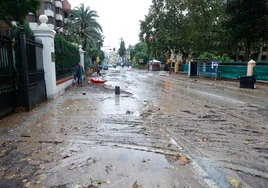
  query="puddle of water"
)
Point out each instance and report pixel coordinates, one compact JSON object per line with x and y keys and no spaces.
{"x":119,"y":105}
{"x":119,"y":160}
{"x":122,"y":167}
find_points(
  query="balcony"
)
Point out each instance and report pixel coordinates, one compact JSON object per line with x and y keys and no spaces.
{"x":49,"y":13}
{"x":58,"y":4}
{"x":59,"y":17}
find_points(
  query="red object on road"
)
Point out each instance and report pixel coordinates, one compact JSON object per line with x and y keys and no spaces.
{"x":97,"y":80}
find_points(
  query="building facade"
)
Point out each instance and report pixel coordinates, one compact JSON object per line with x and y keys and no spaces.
{"x":56,"y":11}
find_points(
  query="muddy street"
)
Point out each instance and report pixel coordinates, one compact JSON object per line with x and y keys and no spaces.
{"x":161,"y":131}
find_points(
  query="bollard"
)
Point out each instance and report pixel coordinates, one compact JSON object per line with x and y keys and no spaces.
{"x":117,"y":90}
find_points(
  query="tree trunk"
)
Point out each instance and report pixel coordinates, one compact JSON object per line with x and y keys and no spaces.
{"x":184,"y":57}
{"x":247,"y":52}
{"x":84,"y":45}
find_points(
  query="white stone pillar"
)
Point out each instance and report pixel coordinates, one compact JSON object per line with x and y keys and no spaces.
{"x":82,"y":56}
{"x":251,"y":65}
{"x":47,"y":35}
{"x":189,"y":68}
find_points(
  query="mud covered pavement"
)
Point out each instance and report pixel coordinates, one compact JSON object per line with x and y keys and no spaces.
{"x":161,"y":131}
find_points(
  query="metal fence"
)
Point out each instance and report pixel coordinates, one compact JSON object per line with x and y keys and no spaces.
{"x":261,"y":70}
{"x":22,"y":81}
{"x":7,"y":78}
{"x":233,"y":70}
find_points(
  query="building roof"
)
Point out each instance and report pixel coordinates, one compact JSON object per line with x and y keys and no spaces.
{"x":66,"y":5}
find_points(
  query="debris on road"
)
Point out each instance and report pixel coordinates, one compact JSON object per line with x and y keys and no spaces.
{"x":201,"y":139}
{"x":183,"y":160}
{"x":136,"y":185}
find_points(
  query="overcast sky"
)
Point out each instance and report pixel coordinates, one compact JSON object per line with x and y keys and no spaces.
{"x":118,"y":18}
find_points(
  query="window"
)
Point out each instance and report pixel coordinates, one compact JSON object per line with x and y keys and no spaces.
{"x":256,"y":48}
{"x":241,"y":58}
{"x":33,"y":18}
{"x":50,"y":20}
{"x":48,"y":6}
{"x":264,"y":48}
{"x":263,"y":57}
{"x":58,"y":10}
{"x":66,"y":14}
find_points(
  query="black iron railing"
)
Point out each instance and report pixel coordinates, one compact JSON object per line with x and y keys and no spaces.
{"x":22,"y":81}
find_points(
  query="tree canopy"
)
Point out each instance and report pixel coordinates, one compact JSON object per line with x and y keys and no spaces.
{"x":84,"y":28}
{"x":248,"y":21}
{"x":193,"y":27}
{"x":122,"y":49}
{"x":14,"y":10}
{"x":139,"y":51}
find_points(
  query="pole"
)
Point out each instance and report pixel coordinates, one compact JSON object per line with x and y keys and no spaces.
{"x":25,"y":69}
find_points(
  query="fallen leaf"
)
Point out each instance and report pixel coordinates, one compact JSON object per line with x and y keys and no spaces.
{"x":183,"y":160}
{"x":136,"y":185}
{"x":5,"y":144}
{"x":234,"y":182}
{"x":108,"y":182}
{"x":201,"y":139}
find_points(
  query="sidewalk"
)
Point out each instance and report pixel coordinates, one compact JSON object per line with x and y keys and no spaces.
{"x":262,"y":86}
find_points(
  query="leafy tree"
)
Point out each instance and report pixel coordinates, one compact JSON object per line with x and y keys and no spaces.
{"x":122,"y":49}
{"x":222,"y":59}
{"x":185,"y":27}
{"x":248,"y":21}
{"x":83,"y":26}
{"x":139,"y":51}
{"x":14,"y":10}
{"x":26,"y":29}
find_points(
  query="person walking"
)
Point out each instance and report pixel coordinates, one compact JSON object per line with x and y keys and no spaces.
{"x":98,"y":70}
{"x":79,"y":71}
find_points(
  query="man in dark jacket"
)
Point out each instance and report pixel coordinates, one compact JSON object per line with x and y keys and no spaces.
{"x":79,"y":71}
{"x":98,"y":69}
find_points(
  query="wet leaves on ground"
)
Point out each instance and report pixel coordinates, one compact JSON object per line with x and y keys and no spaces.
{"x":201,"y":140}
{"x":183,"y":160}
{"x":136,"y":185}
{"x":234,"y":182}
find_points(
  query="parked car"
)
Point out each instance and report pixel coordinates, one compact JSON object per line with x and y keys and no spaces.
{"x":105,"y":66}
{"x":127,"y":64}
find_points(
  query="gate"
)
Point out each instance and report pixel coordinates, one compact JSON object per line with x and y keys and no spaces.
{"x":22,"y":82}
{"x":7,"y":77}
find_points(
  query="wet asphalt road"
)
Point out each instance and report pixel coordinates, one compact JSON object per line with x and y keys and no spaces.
{"x":161,"y":131}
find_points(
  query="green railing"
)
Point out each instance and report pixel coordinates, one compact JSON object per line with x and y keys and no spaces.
{"x":261,"y":72}
{"x":232,"y":71}
{"x":185,"y":67}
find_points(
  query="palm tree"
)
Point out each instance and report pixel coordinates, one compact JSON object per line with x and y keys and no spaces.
{"x":84,"y":27}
